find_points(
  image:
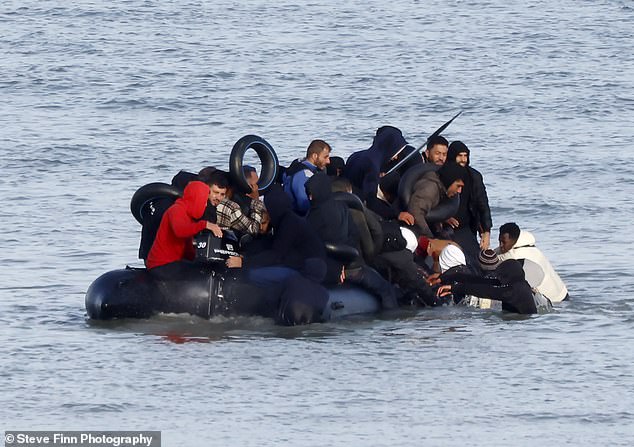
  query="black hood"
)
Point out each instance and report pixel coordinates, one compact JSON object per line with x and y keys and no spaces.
{"x":455,"y":148}
{"x":510,"y":271}
{"x":277,"y":203}
{"x":319,"y":188}
{"x":387,"y":142}
{"x":336,"y":163}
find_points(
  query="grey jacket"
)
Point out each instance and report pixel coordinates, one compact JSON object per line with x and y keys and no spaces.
{"x":428,"y":193}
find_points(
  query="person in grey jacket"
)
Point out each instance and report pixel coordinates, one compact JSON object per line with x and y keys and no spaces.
{"x":433,"y":187}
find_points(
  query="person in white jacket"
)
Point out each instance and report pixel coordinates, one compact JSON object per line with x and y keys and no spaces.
{"x":520,"y":244}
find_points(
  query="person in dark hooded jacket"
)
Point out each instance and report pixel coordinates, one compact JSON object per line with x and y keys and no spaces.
{"x":474,"y":214}
{"x":363,"y":168}
{"x":332,"y":222}
{"x":293,"y":241}
{"x":292,"y":265}
{"x":384,"y":248}
{"x":508,"y":286}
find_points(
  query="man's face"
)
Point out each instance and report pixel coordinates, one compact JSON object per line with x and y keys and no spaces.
{"x":437,"y":154}
{"x":322,"y":159}
{"x":455,"y":188}
{"x":253,"y":178}
{"x":216,"y":194}
{"x":462,"y":159}
{"x":506,"y":243}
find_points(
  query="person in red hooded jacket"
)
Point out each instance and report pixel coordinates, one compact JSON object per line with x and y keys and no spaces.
{"x":180,"y":223}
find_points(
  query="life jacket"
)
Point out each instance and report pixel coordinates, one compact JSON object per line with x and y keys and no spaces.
{"x":294,"y":169}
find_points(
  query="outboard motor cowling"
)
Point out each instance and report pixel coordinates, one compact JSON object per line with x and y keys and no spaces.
{"x":212,"y":249}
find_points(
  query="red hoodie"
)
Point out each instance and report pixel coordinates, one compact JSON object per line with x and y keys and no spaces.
{"x":174,"y":239}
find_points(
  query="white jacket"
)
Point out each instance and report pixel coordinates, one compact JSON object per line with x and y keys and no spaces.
{"x":539,"y":273}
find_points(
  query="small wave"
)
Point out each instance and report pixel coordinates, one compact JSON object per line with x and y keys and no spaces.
{"x":91,"y":407}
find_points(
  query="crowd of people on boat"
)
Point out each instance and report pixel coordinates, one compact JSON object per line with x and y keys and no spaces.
{"x":327,"y":221}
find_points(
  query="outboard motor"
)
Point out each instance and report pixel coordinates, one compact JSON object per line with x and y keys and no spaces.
{"x":212,"y":249}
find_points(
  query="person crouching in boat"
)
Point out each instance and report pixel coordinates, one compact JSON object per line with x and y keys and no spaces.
{"x":509,"y":286}
{"x":365,"y":168}
{"x":173,"y":250}
{"x":431,"y":189}
{"x":331,"y":221}
{"x":291,"y":266}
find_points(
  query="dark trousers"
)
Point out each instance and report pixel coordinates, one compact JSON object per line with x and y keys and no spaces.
{"x":405,"y":272}
{"x":270,"y":276}
{"x":470,"y":247}
{"x":370,"y":280}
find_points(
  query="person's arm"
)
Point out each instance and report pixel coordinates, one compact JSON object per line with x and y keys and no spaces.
{"x":450,"y":277}
{"x":247,"y":224}
{"x":183,"y":226}
{"x":485,"y":240}
{"x":370,"y":184}
{"x":376,"y":231}
{"x":357,"y":220}
{"x":256,"y":211}
{"x":406,"y":218}
{"x":483,"y":290}
{"x":424,"y":198}
{"x":284,"y":238}
{"x":298,"y":185}
{"x":484,"y":211}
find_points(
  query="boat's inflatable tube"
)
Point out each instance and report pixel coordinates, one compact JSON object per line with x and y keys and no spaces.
{"x":268,"y":159}
{"x":445,"y":209}
{"x":148,"y":193}
{"x":341,"y":252}
{"x":205,"y":292}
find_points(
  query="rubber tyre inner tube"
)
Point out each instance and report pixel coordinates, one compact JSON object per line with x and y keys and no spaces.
{"x":152,"y":191}
{"x":268,"y":160}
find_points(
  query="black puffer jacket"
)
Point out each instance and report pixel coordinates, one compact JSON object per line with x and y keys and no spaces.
{"x":477,"y":201}
{"x":509,"y":286}
{"x":332,"y":223}
{"x":293,"y":241}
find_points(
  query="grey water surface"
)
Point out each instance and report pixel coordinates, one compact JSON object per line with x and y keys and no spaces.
{"x":99,"y":98}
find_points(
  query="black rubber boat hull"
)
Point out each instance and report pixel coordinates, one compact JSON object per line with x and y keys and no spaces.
{"x":134,"y":293}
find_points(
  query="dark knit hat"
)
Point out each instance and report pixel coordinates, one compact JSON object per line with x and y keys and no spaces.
{"x":488,"y":259}
{"x":455,"y":148}
{"x":450,"y":172}
{"x":336,"y":164}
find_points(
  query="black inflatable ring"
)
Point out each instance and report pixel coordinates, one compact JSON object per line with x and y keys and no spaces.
{"x":443,"y":211}
{"x":268,"y":159}
{"x":150,"y":192}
